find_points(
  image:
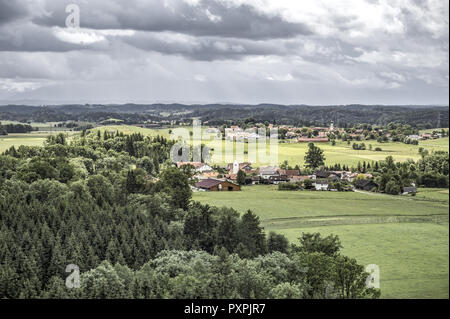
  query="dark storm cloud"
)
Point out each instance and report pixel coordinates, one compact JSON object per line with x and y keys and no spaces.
{"x":11,"y":10}
{"x":204,"y":48}
{"x":28,"y":37}
{"x":206,"y":18}
{"x":228,"y":50}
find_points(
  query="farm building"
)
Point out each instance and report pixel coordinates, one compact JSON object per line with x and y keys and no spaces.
{"x":321,"y":185}
{"x":289,"y":172}
{"x":256,"y":180}
{"x":266,"y":172}
{"x":198,"y":166}
{"x":321,"y":174}
{"x":365,"y":184}
{"x":278,"y":179}
{"x":235,"y":167}
{"x":217,"y":185}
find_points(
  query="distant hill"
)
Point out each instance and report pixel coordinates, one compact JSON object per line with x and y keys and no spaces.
{"x":424,"y":116}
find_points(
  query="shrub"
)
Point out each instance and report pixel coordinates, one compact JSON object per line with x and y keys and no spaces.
{"x":289,"y":186}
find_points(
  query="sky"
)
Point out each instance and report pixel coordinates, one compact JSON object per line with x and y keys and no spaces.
{"x":225,"y":51}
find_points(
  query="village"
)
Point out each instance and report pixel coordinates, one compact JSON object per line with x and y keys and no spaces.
{"x":324,"y":134}
{"x":208,"y":178}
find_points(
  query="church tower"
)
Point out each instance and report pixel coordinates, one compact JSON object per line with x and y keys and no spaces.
{"x":235,"y":167}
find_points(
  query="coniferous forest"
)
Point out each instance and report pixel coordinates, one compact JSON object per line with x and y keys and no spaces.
{"x":115,"y":206}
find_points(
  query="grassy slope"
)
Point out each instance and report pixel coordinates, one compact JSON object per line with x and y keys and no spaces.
{"x":292,"y":152}
{"x":28,"y":139}
{"x":295,"y":152}
{"x":413,"y":256}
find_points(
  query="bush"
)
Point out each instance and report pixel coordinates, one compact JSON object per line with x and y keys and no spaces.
{"x":393,"y":188}
{"x":289,"y":186}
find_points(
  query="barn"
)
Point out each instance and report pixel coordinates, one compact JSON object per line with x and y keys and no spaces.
{"x":217,"y":185}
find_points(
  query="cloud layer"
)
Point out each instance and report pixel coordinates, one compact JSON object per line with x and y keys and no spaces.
{"x":250,"y":51}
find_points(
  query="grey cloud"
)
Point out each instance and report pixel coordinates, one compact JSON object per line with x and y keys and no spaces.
{"x":205,"y":48}
{"x":243,"y":53}
{"x":207,"y":18}
{"x":11,"y":10}
{"x":29,"y":37}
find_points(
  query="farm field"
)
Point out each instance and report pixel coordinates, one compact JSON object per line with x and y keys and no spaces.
{"x":41,"y":126}
{"x":28,"y":139}
{"x":294,"y":152}
{"x":406,"y":236}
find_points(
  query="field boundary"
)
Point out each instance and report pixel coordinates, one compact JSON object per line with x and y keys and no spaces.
{"x":318,"y":221}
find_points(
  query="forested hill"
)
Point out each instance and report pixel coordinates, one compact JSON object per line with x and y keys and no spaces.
{"x":216,"y":114}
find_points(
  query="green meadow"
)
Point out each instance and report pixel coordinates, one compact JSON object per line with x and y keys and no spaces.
{"x":292,"y":152}
{"x":407,"y":237}
{"x":28,"y":139}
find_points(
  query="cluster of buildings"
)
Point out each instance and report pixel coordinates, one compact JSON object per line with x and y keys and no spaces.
{"x":318,"y":135}
{"x":238,"y":134}
{"x":210,"y":179}
{"x":425,"y":136}
{"x":313,"y":134}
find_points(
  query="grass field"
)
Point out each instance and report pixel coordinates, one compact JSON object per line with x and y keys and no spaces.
{"x":406,"y":236}
{"x":294,"y":152}
{"x":28,"y":139}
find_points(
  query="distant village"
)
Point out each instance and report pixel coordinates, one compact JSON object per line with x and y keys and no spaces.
{"x":392,"y":132}
{"x":208,"y":178}
{"x":232,"y":176}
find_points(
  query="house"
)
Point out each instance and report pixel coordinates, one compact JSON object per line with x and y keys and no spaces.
{"x":256,"y":180}
{"x":413,"y":137}
{"x":278,"y":179}
{"x":235,"y":167}
{"x":321,"y":174}
{"x":409,"y":190}
{"x":266,"y":172}
{"x":217,"y":185}
{"x":290,"y":173}
{"x":232,"y":177}
{"x":198,"y":166}
{"x":365,"y":184}
{"x":321,"y":185}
